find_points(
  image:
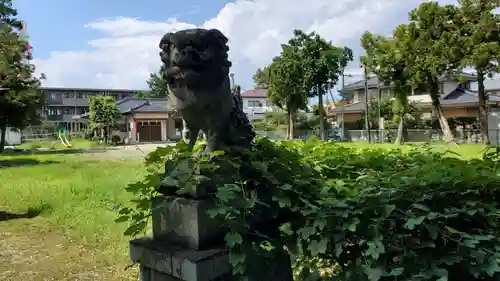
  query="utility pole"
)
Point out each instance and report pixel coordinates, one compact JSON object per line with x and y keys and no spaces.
{"x":367,"y":120}
{"x":379,"y":97}
{"x":321,"y":114}
{"x":342,"y":108}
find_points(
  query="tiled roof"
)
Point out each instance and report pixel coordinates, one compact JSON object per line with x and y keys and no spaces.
{"x":255,"y":93}
{"x":373,"y":82}
{"x":143,"y":105}
{"x":130,"y":105}
{"x":456,"y":97}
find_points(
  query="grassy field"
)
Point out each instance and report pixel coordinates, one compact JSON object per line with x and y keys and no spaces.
{"x":56,"y":144}
{"x":74,"y":237}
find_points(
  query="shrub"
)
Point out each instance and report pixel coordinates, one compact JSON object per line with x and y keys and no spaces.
{"x":116,"y":140}
{"x":368,"y":214}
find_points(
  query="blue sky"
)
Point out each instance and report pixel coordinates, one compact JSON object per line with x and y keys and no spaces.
{"x":59,"y":24}
{"x":110,"y":44}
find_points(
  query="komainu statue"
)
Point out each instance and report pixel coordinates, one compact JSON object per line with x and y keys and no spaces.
{"x":197,"y":75}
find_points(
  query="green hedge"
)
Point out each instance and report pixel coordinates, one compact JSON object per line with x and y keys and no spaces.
{"x":344,"y":213}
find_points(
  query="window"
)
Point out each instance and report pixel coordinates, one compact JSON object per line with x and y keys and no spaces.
{"x":53,"y":95}
{"x":66,"y":95}
{"x":254,"y":103}
{"x":54,"y":111}
{"x":79,"y":95}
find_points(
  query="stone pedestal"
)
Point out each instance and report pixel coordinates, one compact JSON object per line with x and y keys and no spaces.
{"x":187,"y":245}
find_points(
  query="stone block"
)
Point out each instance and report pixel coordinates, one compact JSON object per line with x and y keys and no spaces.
{"x":161,"y":261}
{"x":185,"y":222}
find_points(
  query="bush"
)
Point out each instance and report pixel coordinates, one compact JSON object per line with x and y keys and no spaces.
{"x":116,"y":140}
{"x":368,"y":214}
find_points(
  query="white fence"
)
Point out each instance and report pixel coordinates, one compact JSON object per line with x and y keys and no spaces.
{"x":388,"y":136}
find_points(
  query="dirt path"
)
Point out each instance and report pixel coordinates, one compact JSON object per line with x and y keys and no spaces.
{"x":124,"y":152}
{"x":31,"y":251}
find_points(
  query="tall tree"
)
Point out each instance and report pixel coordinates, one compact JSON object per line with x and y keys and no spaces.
{"x":20,"y":99}
{"x":388,"y":58}
{"x":323,"y":63}
{"x":157,"y":85}
{"x":481,"y":41}
{"x":261,"y":78}
{"x":103,"y":115}
{"x":434,"y":39}
{"x":286,"y":86}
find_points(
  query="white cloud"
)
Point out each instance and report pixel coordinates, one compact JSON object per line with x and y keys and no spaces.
{"x":128,"y":49}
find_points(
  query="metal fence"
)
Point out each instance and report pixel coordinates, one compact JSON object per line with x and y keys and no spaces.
{"x":389,"y":136}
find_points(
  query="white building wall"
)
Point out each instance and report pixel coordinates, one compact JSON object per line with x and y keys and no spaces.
{"x":256,"y":107}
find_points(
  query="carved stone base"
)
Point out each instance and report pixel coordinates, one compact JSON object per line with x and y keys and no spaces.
{"x":160,"y":261}
{"x":159,"y":258}
{"x":185,"y":222}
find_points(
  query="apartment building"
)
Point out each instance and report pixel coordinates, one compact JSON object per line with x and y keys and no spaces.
{"x":62,"y":104}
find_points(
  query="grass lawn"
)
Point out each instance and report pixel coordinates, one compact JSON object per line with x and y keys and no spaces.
{"x":56,"y":144}
{"x":75,"y":237}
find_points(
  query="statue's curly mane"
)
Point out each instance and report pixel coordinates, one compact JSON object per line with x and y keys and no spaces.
{"x":195,"y":57}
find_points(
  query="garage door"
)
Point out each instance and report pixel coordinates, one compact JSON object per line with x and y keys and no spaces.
{"x":149,"y":131}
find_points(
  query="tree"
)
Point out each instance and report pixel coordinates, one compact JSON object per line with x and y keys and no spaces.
{"x":322,"y":63}
{"x":480,"y":37}
{"x":103,"y":115}
{"x":20,"y":99}
{"x":157,"y":85}
{"x":434,"y":38}
{"x":286,"y":86}
{"x":389,"y":59}
{"x":261,"y":78}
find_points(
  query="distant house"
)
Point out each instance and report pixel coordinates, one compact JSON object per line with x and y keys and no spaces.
{"x":256,"y":103}
{"x":146,"y":120}
{"x":457,"y":98}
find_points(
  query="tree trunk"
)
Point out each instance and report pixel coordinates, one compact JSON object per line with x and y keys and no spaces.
{"x":3,"y":133}
{"x":321,"y":116}
{"x":436,"y":103}
{"x":293,"y":113}
{"x":445,"y":127}
{"x":288,"y":131}
{"x":399,"y":136}
{"x":483,"y":109}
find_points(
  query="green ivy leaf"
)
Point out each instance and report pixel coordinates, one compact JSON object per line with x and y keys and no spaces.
{"x":373,"y":274}
{"x":396,"y":271}
{"x":414,"y":222}
{"x":388,"y":209}
{"x":232,"y":239}
{"x":122,"y":219}
{"x":318,"y":247}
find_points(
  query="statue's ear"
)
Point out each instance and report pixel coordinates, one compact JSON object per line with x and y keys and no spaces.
{"x":165,"y":41}
{"x":217,"y":34}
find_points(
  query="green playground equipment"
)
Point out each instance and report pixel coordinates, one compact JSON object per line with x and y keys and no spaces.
{"x":62,"y":134}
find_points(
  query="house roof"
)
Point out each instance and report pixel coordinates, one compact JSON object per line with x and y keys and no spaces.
{"x":130,"y":105}
{"x":133,"y":105}
{"x":91,"y":90}
{"x":373,"y":82}
{"x":255,"y":93}
{"x":456,"y":97}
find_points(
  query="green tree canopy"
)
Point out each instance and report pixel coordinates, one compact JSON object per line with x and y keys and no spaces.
{"x":285,"y":85}
{"x":261,"y":78}
{"x":480,"y":41}
{"x":103,"y":114}
{"x":389,"y":59}
{"x":20,"y":99}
